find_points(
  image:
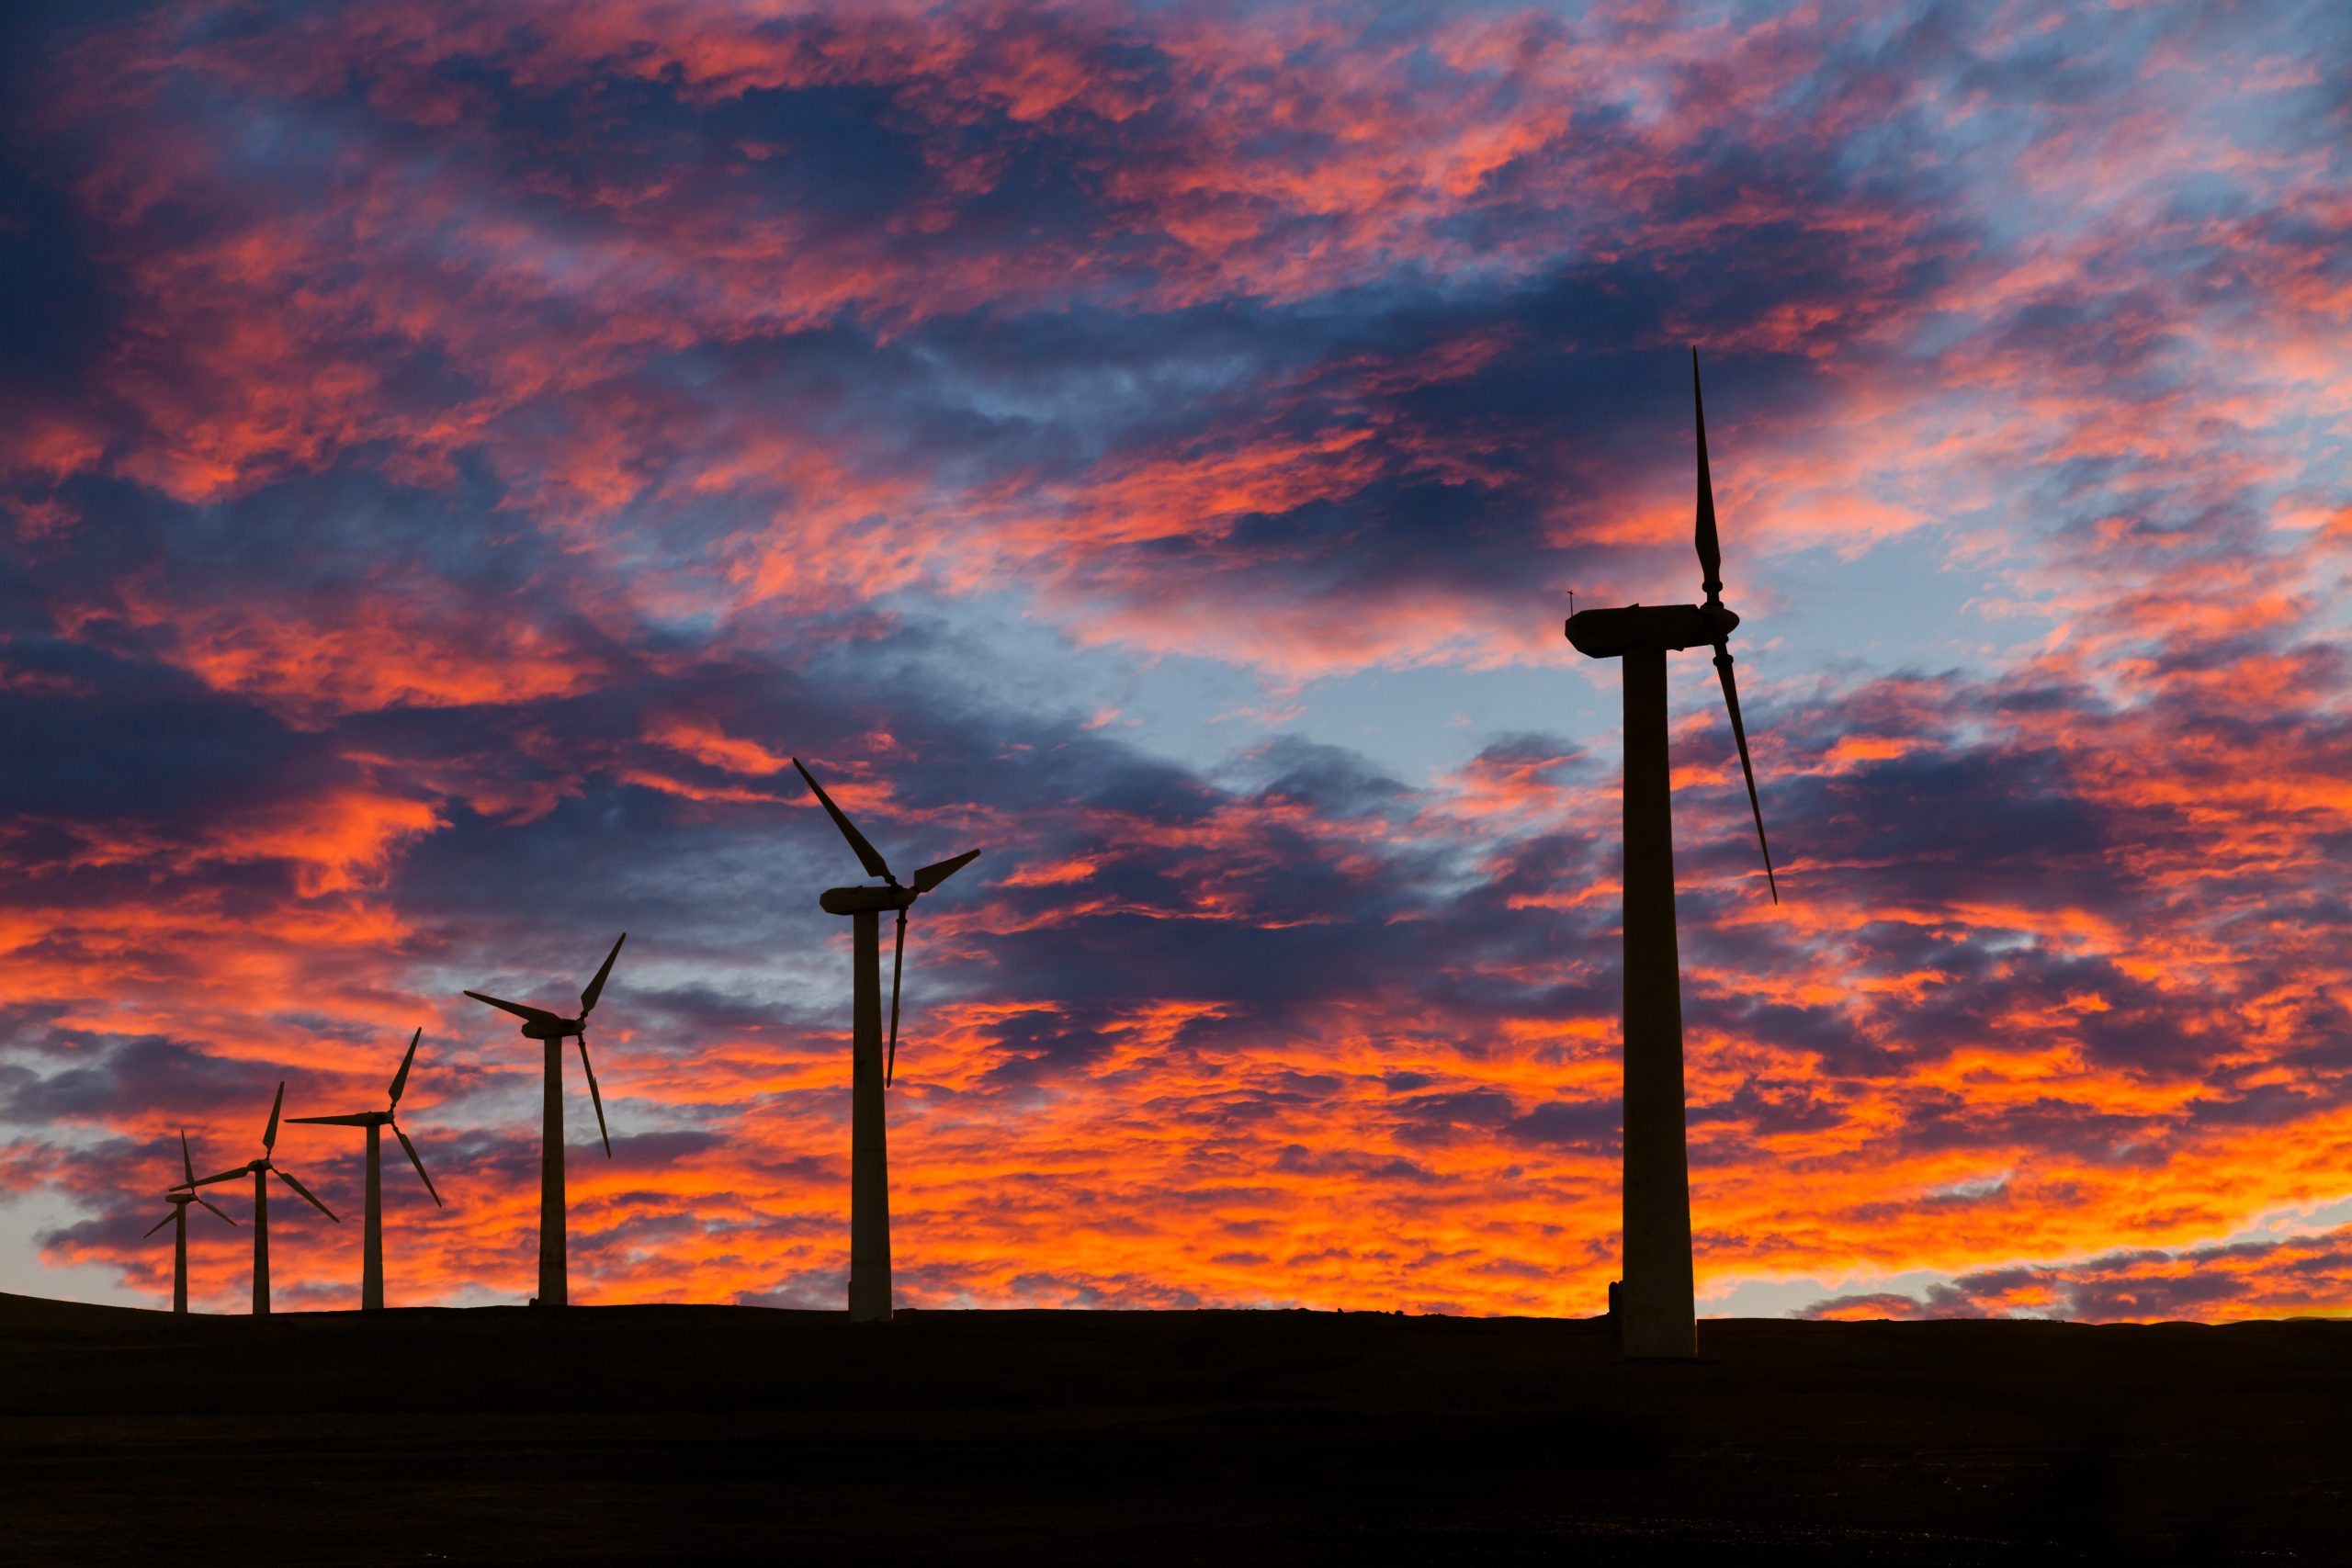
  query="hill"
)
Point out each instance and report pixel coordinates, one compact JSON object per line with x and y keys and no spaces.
{"x":617,"y":1434}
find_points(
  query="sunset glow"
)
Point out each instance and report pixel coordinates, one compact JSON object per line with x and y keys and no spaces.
{"x":456,"y":454}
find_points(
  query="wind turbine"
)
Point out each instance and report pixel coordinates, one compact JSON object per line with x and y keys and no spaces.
{"x":261,"y":1169}
{"x":179,"y":1198}
{"x":870,"y":1068}
{"x":1657,"y":1315}
{"x":371,"y":1256}
{"x":540,"y":1024}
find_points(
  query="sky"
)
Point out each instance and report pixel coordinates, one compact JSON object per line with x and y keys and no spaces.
{"x":452,"y":455}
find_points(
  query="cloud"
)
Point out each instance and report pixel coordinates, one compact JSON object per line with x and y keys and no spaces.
{"x":460,"y":457}
{"x":2294,"y":1277}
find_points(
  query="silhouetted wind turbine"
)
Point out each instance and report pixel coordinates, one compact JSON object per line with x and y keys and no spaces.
{"x":371,"y":1257}
{"x":179,"y":1198}
{"x":555,"y":1288}
{"x":1657,"y":1315}
{"x":261,"y":1169}
{"x":870,"y":1068}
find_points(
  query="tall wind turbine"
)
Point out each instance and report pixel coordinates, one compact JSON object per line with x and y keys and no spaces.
{"x":1657,"y":1313}
{"x":870,"y":1068}
{"x":261,"y":1169}
{"x":179,"y":1198}
{"x":555,"y":1288}
{"x":371,"y":1255}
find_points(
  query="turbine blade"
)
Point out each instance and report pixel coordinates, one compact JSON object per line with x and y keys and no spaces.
{"x":1739,"y":733}
{"x":208,"y":1205}
{"x":225,"y":1176}
{"x":867,"y":855}
{"x":596,"y":1095}
{"x":530,"y":1015}
{"x":269,"y":1133}
{"x":357,"y":1119}
{"x":400,"y":1080}
{"x":932,"y":876}
{"x":897,"y":963}
{"x":187,"y":1162}
{"x":1710,"y":554}
{"x":307,"y":1193}
{"x":159,"y":1225}
{"x":596,"y":986}
{"x":419,"y":1164}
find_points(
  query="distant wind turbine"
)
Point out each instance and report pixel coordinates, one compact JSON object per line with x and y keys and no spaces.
{"x":1658,"y":1317}
{"x":870,"y":1068}
{"x":261,"y":1171}
{"x":179,"y":1198}
{"x":555,"y":1289}
{"x":371,"y":1256}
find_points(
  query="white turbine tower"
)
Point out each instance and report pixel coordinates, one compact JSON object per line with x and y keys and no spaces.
{"x":1658,"y":1317}
{"x":551,"y":1030}
{"x":261,"y":1170}
{"x":870,"y":1067}
{"x":179,"y":1198}
{"x":371,"y":1256}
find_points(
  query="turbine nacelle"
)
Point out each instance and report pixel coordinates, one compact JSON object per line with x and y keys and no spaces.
{"x":538,"y":1023}
{"x":251,"y":1168}
{"x":387,"y":1117}
{"x":553,"y":1029}
{"x":1612,"y":634}
{"x":179,"y":1196}
{"x":266,"y":1166}
{"x":892,"y":895}
{"x":865,"y":900}
{"x":1669,"y":629}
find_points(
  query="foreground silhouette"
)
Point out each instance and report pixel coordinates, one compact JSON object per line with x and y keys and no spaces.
{"x":870,"y":1068}
{"x":716,"y":1433}
{"x":1656,"y":1310}
{"x":262,"y":1169}
{"x":551,"y":1030}
{"x":371,"y":1239}
{"x":179,"y":1197}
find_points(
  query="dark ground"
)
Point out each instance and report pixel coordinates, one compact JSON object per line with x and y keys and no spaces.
{"x":711,"y":1433}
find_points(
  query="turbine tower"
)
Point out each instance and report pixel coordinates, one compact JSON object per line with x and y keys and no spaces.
{"x":1656,"y":1317}
{"x":555,"y":1289}
{"x":870,"y":1068}
{"x":179,"y":1198}
{"x":261,"y":1169}
{"x":371,"y":1255}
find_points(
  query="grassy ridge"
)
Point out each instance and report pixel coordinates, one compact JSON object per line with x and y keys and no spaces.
{"x":627,"y":1433}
